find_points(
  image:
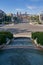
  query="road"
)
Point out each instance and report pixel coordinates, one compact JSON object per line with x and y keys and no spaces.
{"x":22,"y":28}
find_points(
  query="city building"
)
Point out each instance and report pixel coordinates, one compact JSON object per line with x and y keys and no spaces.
{"x":41,"y":17}
{"x":23,"y":17}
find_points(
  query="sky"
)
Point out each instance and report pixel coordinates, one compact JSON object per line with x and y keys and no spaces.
{"x":29,"y":6}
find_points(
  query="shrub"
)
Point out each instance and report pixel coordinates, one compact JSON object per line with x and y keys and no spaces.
{"x":9,"y":35}
{"x":4,"y":35}
{"x":34,"y":35}
{"x":39,"y":36}
{"x":2,"y":39}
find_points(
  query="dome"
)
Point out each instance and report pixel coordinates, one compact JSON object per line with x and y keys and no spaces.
{"x":2,"y":14}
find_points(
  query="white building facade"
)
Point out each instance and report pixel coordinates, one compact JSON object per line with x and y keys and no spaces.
{"x":41,"y":17}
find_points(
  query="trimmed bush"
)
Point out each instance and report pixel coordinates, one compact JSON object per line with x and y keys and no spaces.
{"x":39,"y":36}
{"x":4,"y":35}
{"x":2,"y":39}
{"x":34,"y":35}
{"x":9,"y":35}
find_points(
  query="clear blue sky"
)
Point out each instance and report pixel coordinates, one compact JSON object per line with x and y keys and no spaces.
{"x":30,"y":6}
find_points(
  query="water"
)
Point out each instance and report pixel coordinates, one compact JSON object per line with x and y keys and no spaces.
{"x":21,"y":57}
{"x":22,"y":41}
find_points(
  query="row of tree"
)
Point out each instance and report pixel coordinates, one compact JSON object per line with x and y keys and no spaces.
{"x":8,"y":19}
{"x":5,"y":19}
{"x":35,"y":18}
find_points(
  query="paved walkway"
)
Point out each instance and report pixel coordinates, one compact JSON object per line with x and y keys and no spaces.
{"x":22,"y":35}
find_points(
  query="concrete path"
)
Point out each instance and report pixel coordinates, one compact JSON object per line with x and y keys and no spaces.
{"x":22,"y":35}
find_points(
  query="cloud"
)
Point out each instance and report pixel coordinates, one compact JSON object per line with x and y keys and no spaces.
{"x":18,"y":9}
{"x":31,"y":7}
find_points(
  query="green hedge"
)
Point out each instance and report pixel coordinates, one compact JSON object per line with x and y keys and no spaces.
{"x":4,"y":35}
{"x":7,"y":34}
{"x":2,"y":39}
{"x":39,"y":36}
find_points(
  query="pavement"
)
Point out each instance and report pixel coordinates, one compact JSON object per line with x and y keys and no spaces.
{"x":22,"y":29}
{"x":24,"y":26}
